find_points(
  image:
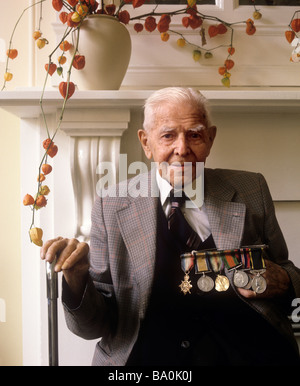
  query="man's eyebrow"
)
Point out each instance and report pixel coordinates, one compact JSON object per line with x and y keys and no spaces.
{"x":195,"y":128}
{"x":198,"y":128}
{"x":166,"y":128}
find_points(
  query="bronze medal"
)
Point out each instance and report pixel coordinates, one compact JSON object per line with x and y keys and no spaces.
{"x":222,"y":283}
{"x":187,"y":263}
{"x":185,"y":285}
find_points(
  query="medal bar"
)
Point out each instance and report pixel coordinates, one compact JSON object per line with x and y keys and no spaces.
{"x":249,"y":258}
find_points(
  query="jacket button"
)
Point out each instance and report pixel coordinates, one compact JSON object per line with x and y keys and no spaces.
{"x":185,"y":344}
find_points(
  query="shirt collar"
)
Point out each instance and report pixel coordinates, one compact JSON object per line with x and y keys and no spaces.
{"x":165,"y":189}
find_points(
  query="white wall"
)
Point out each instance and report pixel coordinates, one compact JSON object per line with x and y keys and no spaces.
{"x":10,"y":222}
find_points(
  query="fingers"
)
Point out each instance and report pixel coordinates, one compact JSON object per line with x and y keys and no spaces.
{"x":277,"y":283}
{"x":68,"y":252}
{"x":45,"y":253}
{"x":72,"y":255}
{"x":64,"y":250}
{"x":249,"y":294}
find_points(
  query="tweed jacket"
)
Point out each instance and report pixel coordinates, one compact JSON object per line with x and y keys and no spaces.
{"x":123,"y":249}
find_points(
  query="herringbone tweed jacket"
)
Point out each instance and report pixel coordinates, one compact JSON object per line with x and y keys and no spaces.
{"x":123,"y":249}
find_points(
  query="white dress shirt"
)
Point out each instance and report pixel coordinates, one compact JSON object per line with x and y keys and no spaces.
{"x":196,"y":216}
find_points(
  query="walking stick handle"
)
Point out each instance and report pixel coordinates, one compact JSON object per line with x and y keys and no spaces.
{"x":52,"y":296}
{"x":52,"y":282}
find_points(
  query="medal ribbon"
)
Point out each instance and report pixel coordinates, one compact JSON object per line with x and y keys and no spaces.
{"x":202,"y":263}
{"x":245,"y":257}
{"x":216,"y":262}
{"x":256,"y":259}
{"x":231,"y":258}
{"x":187,"y":262}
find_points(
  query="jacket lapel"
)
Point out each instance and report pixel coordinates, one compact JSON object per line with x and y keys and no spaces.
{"x":226,"y":217}
{"x":137,"y":221}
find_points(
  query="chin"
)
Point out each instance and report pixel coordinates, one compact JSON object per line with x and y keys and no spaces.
{"x":179,"y":182}
{"x":178,"y":175}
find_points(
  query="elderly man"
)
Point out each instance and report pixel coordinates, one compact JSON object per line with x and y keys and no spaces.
{"x":139,"y":287}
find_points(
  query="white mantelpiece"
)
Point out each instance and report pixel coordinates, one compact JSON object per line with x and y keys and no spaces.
{"x":95,"y":138}
{"x":25,"y":102}
{"x":94,"y":125}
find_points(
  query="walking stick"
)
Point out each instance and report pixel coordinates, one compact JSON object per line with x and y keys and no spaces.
{"x":52,"y":296}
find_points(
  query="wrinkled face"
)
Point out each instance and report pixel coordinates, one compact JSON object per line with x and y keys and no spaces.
{"x":178,"y":136}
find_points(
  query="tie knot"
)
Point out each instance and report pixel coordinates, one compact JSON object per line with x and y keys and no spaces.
{"x":177,"y":198}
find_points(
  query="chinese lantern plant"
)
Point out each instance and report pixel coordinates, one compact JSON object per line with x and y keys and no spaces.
{"x":39,"y":200}
{"x":72,"y":13}
{"x":195,"y":20}
{"x":292,"y":37}
{"x":66,"y":89}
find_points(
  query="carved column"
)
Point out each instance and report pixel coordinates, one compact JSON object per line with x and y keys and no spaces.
{"x":95,"y":136}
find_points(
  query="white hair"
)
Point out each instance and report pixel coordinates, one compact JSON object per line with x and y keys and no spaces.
{"x":173,"y":95}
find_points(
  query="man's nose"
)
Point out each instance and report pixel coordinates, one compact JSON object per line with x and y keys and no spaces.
{"x":181,"y":146}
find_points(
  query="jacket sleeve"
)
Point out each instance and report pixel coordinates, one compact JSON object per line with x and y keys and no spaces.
{"x":94,"y":317}
{"x":274,"y":238}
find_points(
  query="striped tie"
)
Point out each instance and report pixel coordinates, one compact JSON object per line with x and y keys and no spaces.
{"x":179,"y":226}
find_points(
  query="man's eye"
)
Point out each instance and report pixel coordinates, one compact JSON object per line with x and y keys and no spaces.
{"x":167,"y":136}
{"x":195,"y":135}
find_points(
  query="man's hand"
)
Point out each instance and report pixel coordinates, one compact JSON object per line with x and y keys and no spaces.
{"x":72,"y":260}
{"x":278,"y":282}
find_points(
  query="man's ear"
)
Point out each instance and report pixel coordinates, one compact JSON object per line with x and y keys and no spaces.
{"x":144,"y":140}
{"x":212,"y":134}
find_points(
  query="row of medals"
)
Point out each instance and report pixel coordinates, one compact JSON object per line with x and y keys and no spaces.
{"x":242,"y":278}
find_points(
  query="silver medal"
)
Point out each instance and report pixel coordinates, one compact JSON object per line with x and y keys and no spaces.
{"x":240,"y":279}
{"x":249,"y":284}
{"x":259,"y":284}
{"x":205,"y":283}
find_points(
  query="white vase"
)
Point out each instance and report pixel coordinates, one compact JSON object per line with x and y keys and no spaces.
{"x":106,"y":45}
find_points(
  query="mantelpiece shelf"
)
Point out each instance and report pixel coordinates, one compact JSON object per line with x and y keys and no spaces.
{"x":24,"y":103}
